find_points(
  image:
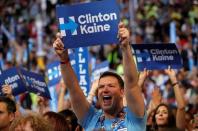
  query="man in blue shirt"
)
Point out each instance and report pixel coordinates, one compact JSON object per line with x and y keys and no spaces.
{"x":111,"y":90}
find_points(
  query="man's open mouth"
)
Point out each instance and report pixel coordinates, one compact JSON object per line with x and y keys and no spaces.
{"x":107,"y":99}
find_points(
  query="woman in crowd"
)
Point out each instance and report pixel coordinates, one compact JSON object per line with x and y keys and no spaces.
{"x":71,"y":120}
{"x":162,"y":115}
{"x":57,"y":121}
{"x":163,"y":118}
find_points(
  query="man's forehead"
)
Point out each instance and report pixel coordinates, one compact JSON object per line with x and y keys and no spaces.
{"x":108,"y":77}
{"x":108,"y":80}
{"x":3,"y":106}
{"x":108,"y":83}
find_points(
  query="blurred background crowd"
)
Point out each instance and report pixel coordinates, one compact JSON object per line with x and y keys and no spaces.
{"x":22,"y":44}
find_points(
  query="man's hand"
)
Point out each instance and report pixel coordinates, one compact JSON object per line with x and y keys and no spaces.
{"x":172,"y":75}
{"x":63,"y":87}
{"x":42,"y":101}
{"x":142,"y":77}
{"x":93,"y":91}
{"x":59,"y":49}
{"x":94,"y":87}
{"x":124,"y":35}
{"x":7,"y":90}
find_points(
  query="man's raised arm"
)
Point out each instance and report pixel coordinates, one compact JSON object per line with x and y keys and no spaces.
{"x":78,"y":100}
{"x":133,"y":93}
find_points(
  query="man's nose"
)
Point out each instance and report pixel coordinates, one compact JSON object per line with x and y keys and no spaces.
{"x":106,"y":88}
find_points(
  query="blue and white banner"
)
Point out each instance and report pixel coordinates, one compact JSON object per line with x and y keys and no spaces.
{"x":53,"y":73}
{"x":100,"y":68}
{"x":53,"y":70}
{"x":157,"y":56}
{"x":82,"y":69}
{"x":35,"y":83}
{"x":11,"y":77}
{"x":88,"y":24}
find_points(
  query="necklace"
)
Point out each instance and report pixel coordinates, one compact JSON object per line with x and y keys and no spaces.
{"x":119,"y":118}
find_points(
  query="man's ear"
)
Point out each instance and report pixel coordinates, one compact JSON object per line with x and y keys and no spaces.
{"x":122,"y":91}
{"x":11,"y":116}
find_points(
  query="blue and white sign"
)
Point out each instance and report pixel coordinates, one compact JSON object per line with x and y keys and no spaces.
{"x":35,"y":83}
{"x":157,"y":56}
{"x":11,"y":77}
{"x":53,"y":73}
{"x":100,"y":68}
{"x":53,"y":70}
{"x":88,"y":24}
{"x":82,"y":69}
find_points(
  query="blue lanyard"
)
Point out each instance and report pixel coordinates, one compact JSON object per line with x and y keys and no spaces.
{"x":119,"y":118}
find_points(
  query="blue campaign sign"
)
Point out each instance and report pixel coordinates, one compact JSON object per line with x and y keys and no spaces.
{"x":88,"y":24}
{"x":100,"y":68}
{"x":53,"y":70}
{"x":53,"y":73}
{"x":12,"y":78}
{"x":157,"y":56}
{"x":82,"y":69}
{"x":35,"y":83}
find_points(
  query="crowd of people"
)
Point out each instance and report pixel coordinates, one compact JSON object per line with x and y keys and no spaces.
{"x":148,"y":100}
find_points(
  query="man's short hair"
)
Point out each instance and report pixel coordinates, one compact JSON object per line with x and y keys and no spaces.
{"x":113,"y":74}
{"x":11,"y":105}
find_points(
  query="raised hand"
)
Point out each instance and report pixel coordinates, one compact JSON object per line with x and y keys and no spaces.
{"x":59,"y":49}
{"x":63,"y":87}
{"x":156,"y":96}
{"x":180,"y":115}
{"x":42,"y":101}
{"x":142,"y":77}
{"x":7,"y":90}
{"x":124,"y":35}
{"x":93,"y":90}
{"x":172,"y":75}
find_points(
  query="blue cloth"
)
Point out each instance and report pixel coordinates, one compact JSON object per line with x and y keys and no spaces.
{"x":91,"y":121}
